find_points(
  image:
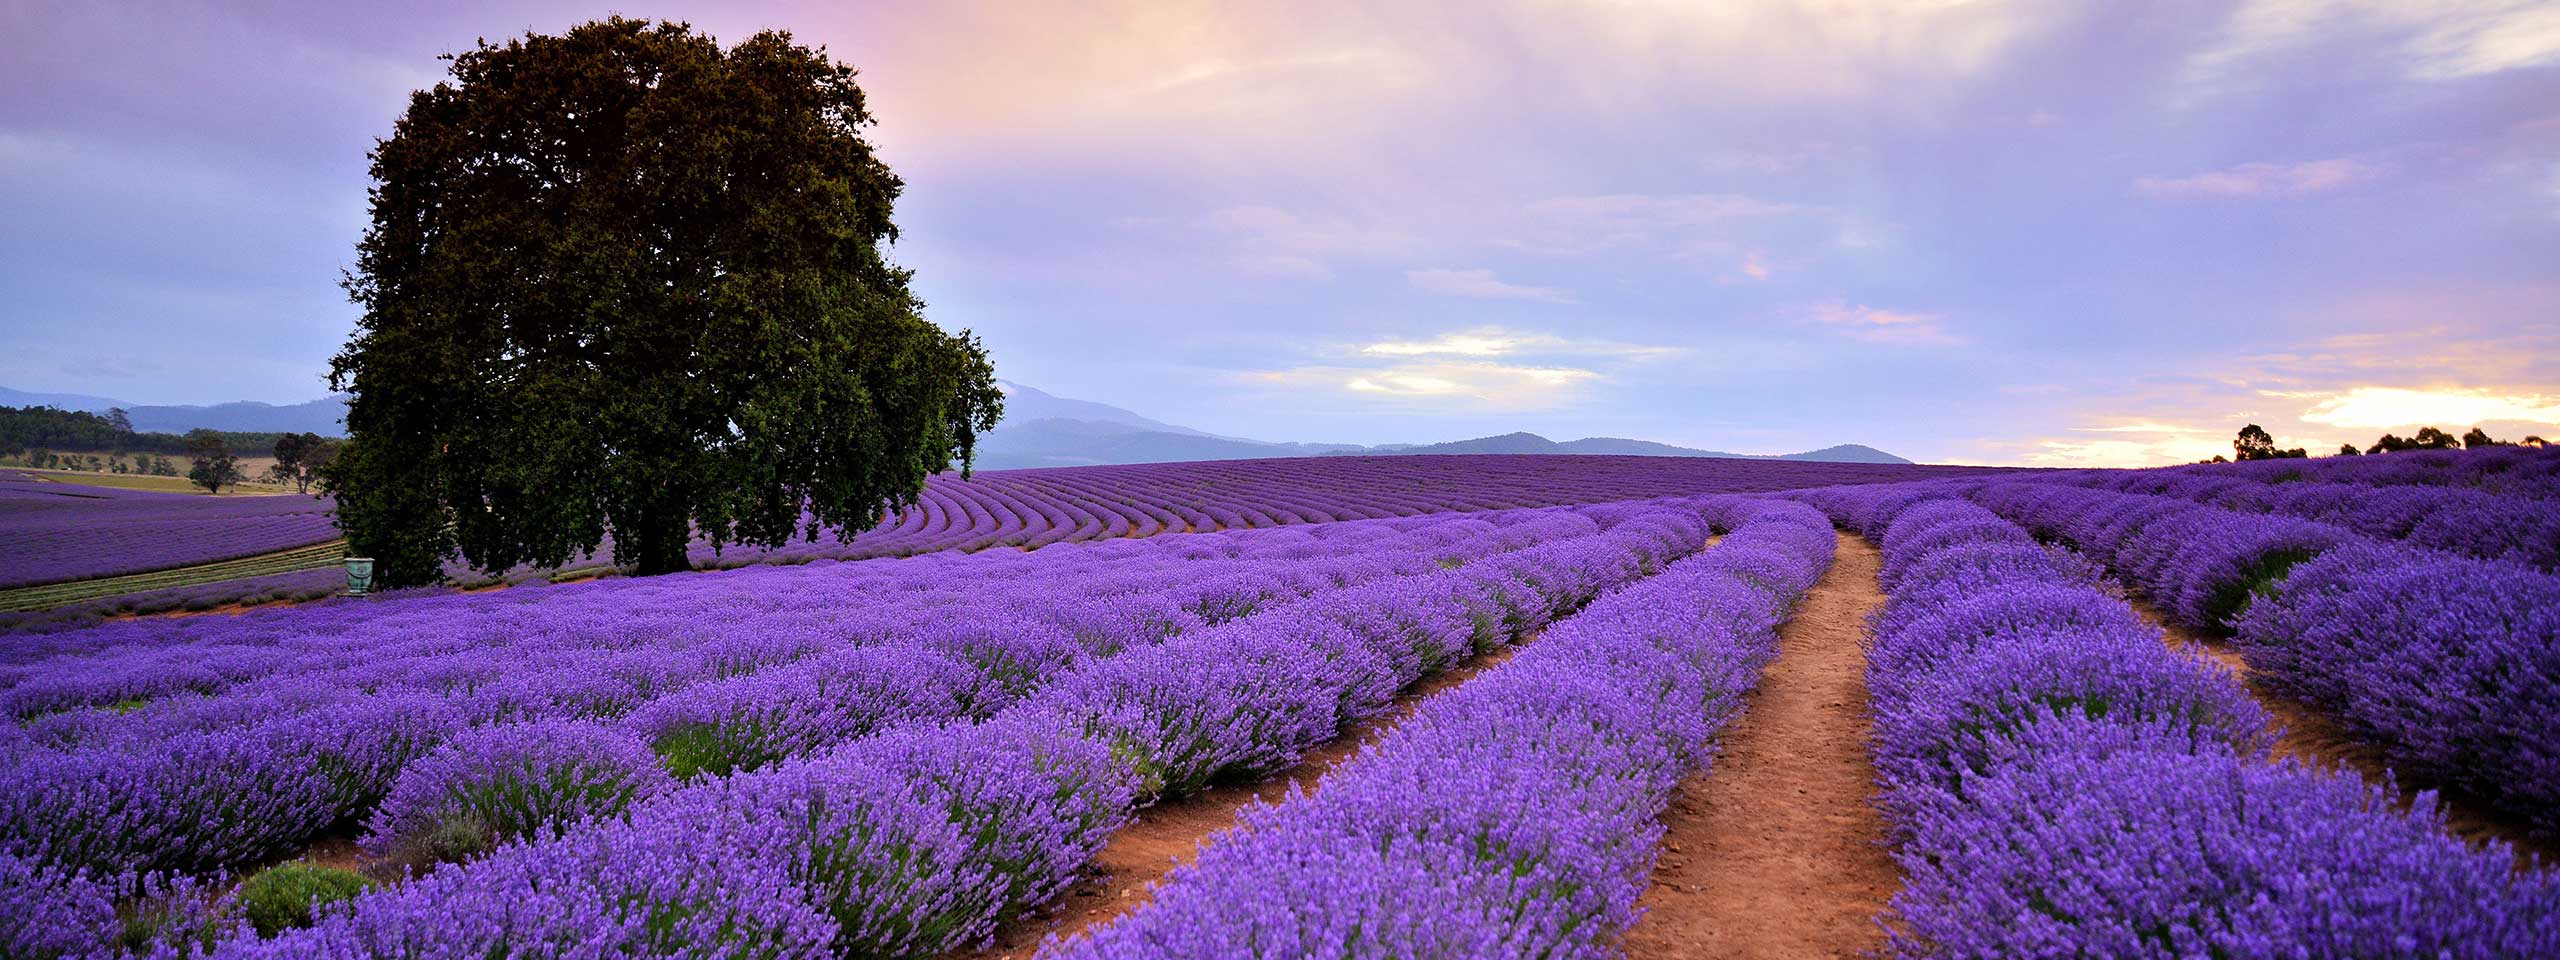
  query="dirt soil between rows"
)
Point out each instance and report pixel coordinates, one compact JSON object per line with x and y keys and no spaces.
{"x":2310,"y":736}
{"x":1123,"y":876}
{"x":1777,"y":850}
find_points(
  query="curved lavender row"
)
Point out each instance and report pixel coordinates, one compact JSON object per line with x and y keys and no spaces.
{"x":924,"y":838}
{"x":308,"y":751}
{"x":55,"y":539}
{"x":1515,"y":815}
{"x":2062,"y":783}
{"x":2510,"y":471}
{"x":2473,"y":523}
{"x":1034,"y":508}
{"x":2447,"y":664}
{"x":292,"y":653}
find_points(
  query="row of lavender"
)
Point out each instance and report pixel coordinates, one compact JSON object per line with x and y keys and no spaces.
{"x":2513,"y":520}
{"x":2062,"y":782}
{"x":2450,"y":665}
{"x":2511,"y":471}
{"x":59,"y":532}
{"x":1033,"y":508}
{"x":1518,"y":815}
{"x":1068,"y":620}
{"x":209,"y":745}
{"x":1036,"y":507}
{"x":922,"y":837}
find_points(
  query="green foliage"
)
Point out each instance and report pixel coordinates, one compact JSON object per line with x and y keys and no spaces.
{"x":35,"y":428}
{"x":299,"y":459}
{"x":623,"y":283}
{"x":718,"y":750}
{"x":2253,"y":444}
{"x":282,"y":897}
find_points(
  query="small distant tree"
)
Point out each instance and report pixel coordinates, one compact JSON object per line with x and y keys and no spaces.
{"x":2348,"y":450}
{"x":211,"y":465}
{"x":2389,"y":443}
{"x":2478,"y":438}
{"x":117,"y":418}
{"x":299,"y":459}
{"x":2254,"y":443}
{"x":2430,"y":438}
{"x":2532,"y":442}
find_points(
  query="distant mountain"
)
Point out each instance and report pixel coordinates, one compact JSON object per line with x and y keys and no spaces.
{"x":58,"y":401}
{"x":325,"y":416}
{"x":1616,"y":446}
{"x":1027,"y":404}
{"x":1044,"y":430}
{"x":1039,"y":429}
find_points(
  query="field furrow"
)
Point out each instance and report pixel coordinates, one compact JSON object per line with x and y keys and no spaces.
{"x":1778,"y":850}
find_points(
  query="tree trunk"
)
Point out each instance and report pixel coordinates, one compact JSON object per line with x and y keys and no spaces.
{"x":661,"y":541}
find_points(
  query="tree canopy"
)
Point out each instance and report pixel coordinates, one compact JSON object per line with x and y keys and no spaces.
{"x":299,"y":459}
{"x":2254,"y":443}
{"x":210,"y":464}
{"x":624,"y":284}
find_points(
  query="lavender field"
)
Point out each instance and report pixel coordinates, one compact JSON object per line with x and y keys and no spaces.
{"x":1504,"y":691}
{"x":60,"y":532}
{"x":91,"y":535}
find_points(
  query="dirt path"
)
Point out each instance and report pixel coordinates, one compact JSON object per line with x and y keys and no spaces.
{"x":2309,"y":735}
{"x":1777,"y":852}
{"x":1170,"y":834}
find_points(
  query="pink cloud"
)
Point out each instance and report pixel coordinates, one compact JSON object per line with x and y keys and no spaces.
{"x":2260,"y":180}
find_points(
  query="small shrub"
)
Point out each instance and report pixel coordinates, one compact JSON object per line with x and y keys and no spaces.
{"x":286,"y":897}
{"x":487,"y":787}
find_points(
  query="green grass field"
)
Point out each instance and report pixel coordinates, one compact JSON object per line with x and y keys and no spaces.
{"x":139,"y":481}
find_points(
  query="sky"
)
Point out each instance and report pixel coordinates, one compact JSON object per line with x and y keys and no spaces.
{"x":2007,"y":231}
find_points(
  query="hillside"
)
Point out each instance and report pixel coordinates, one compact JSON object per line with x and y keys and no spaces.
{"x":1040,"y":429}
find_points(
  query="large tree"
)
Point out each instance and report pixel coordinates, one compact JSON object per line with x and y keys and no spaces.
{"x":622,"y":283}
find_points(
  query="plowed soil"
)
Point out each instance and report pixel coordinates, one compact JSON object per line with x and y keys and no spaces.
{"x":1777,"y":851}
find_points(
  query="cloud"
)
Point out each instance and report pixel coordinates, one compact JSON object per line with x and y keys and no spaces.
{"x":1876,"y":325}
{"x":1456,"y":386}
{"x":1599,"y":222}
{"x":1271,"y":242}
{"x":2260,"y":180}
{"x":1755,"y":266}
{"x":2434,"y":40}
{"x":1497,"y":342}
{"x":2388,"y":407}
{"x":1482,"y":284}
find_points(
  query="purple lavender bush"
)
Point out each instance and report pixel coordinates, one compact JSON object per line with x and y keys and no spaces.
{"x":2451,"y":666}
{"x":2063,"y":783}
{"x":499,"y":784}
{"x":1515,"y":815}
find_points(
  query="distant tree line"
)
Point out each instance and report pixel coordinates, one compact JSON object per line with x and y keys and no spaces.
{"x":2254,"y":443}
{"x":28,"y":431}
{"x":32,"y":428}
